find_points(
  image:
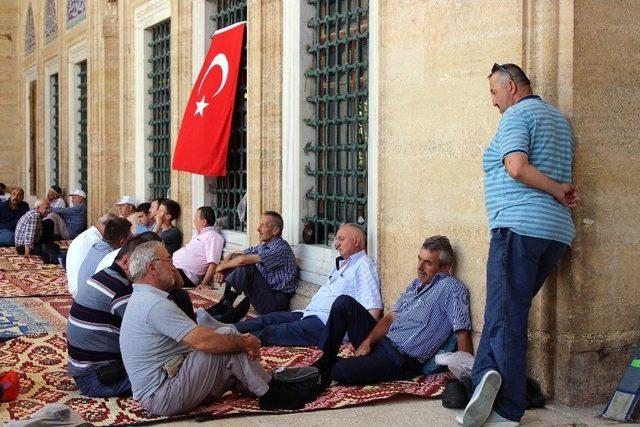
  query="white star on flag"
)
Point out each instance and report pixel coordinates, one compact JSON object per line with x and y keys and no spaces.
{"x":200,"y":106}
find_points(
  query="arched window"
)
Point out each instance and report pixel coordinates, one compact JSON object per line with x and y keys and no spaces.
{"x":50,"y":21}
{"x":76,"y":11}
{"x":29,"y":33}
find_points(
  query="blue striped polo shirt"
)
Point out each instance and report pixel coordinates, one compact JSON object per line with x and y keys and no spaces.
{"x":427,"y":314}
{"x":537,"y":129}
{"x":278,"y":266}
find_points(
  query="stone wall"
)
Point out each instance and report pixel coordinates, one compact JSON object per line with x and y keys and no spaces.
{"x":11,"y":161}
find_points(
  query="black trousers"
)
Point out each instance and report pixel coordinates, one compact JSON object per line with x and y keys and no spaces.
{"x":187,"y":282}
{"x":383,"y":363}
{"x":248,"y":280}
{"x":182,"y":299}
{"x":45,"y":240}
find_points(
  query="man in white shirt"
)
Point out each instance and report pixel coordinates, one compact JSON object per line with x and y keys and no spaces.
{"x":355,"y":275}
{"x":55,"y":197}
{"x":79,"y":248}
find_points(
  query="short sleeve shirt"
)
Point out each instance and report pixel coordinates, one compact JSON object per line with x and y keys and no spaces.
{"x":203,"y":249}
{"x":356,"y":277}
{"x":150,"y":336}
{"x":278,"y":266}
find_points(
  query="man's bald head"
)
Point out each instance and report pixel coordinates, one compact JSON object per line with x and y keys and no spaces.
{"x":350,"y":239}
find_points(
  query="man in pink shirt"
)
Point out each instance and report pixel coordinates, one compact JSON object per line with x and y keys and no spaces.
{"x":197,"y":261}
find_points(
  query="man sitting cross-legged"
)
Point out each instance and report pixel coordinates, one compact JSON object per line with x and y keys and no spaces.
{"x":93,"y":329}
{"x":173,"y":363}
{"x":355,"y":275}
{"x":266,"y":274}
{"x":433,"y":306}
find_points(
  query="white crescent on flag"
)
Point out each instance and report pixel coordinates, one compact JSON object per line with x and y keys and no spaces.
{"x":221,"y":61}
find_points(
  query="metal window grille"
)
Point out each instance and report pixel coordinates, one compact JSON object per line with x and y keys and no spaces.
{"x":55,"y":109}
{"x":340,"y":101}
{"x":82,"y":125}
{"x":160,"y":124}
{"x":229,"y":190}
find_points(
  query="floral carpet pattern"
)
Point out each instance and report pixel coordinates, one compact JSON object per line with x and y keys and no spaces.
{"x":41,"y":362}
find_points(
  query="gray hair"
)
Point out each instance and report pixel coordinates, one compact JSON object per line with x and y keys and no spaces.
{"x":440,"y":244}
{"x":106,"y":218}
{"x":141,"y":257}
{"x":511,"y":72}
{"x":38,"y":203}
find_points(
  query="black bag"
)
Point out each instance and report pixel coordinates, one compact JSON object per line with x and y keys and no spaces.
{"x":111,"y":373}
{"x":291,"y":388}
{"x":457,"y":393}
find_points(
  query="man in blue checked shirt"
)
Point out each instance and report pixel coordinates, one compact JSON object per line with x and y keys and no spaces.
{"x":266,"y":274}
{"x":433,"y":306}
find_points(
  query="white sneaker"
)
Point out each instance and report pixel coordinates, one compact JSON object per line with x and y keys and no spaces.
{"x":496,"y":420}
{"x":481,"y":403}
{"x":459,"y":417}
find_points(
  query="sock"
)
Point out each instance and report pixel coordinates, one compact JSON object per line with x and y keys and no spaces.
{"x":205,"y":319}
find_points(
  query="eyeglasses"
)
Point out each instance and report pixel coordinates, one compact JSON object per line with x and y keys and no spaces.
{"x":170,"y":259}
{"x":498,"y":67}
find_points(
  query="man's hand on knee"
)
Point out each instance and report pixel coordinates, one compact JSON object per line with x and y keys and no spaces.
{"x":251,"y":346}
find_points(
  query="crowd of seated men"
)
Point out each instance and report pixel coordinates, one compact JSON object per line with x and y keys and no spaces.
{"x":132,"y":329}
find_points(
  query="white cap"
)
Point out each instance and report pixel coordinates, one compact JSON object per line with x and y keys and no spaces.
{"x":127,"y":200}
{"x":78,"y":192}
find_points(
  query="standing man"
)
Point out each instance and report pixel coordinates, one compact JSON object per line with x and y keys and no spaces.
{"x":29,"y":234}
{"x":528,"y":195}
{"x":71,"y":221}
{"x":267,"y":274}
{"x":10,"y":212}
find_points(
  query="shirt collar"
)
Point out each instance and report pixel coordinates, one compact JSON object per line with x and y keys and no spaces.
{"x":271,"y":242}
{"x":143,"y":287}
{"x":340,"y":262}
{"x":116,"y":267}
{"x":207,"y":229}
{"x":532,"y":96}
{"x":420,"y":286}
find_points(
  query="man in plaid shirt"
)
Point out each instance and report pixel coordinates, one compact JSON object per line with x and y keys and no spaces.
{"x":29,"y":229}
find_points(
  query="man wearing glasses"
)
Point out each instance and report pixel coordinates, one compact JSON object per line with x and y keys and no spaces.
{"x":528,"y":196}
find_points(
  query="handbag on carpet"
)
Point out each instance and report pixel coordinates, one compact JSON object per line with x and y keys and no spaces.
{"x":291,"y":388}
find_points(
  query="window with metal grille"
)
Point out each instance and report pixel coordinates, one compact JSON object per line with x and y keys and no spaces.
{"x":228,"y":190}
{"x":159,"y":136}
{"x":338,"y":155}
{"x":54,"y":132}
{"x":82,"y":125}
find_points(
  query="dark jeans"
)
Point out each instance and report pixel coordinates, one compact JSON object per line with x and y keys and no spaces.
{"x":182,"y":299}
{"x":284,"y":328}
{"x":516,"y":269}
{"x":383,"y":363}
{"x":91,"y":386}
{"x":248,"y":280}
{"x":45,"y":239}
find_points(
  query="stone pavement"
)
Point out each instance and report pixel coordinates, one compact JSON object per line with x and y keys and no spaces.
{"x":410,"y":411}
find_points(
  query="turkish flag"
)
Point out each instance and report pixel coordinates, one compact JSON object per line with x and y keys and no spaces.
{"x":203,"y":138}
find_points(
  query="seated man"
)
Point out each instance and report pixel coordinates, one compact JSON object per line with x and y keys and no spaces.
{"x":79,"y":248}
{"x":4,"y":196}
{"x":127,"y":209}
{"x":29,"y":231}
{"x":55,"y":197}
{"x":355,"y":275}
{"x":116,"y":233}
{"x":174,"y":364}
{"x":267,"y":274}
{"x":433,"y":306}
{"x":10,"y":212}
{"x":166,"y":215}
{"x":94,"y":359}
{"x":69,"y":222}
{"x":142,"y":219}
{"x":197,"y":261}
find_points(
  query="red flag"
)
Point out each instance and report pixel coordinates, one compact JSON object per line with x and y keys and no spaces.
{"x":203,"y":138}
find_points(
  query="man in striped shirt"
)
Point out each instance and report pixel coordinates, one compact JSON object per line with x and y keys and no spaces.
{"x":93,"y":329}
{"x":433,"y":306}
{"x":266,"y":274}
{"x":528,"y":196}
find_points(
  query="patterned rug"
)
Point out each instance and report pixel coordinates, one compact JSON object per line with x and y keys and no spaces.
{"x":38,"y":280}
{"x":26,"y":316}
{"x":41,"y":363}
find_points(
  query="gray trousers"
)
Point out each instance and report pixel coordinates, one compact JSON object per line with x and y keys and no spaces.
{"x":60,"y":227}
{"x":204,"y":376}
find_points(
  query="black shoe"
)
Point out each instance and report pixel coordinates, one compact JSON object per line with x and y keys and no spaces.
{"x":220,"y":307}
{"x":455,"y":395}
{"x":234,"y":315}
{"x":292,"y":388}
